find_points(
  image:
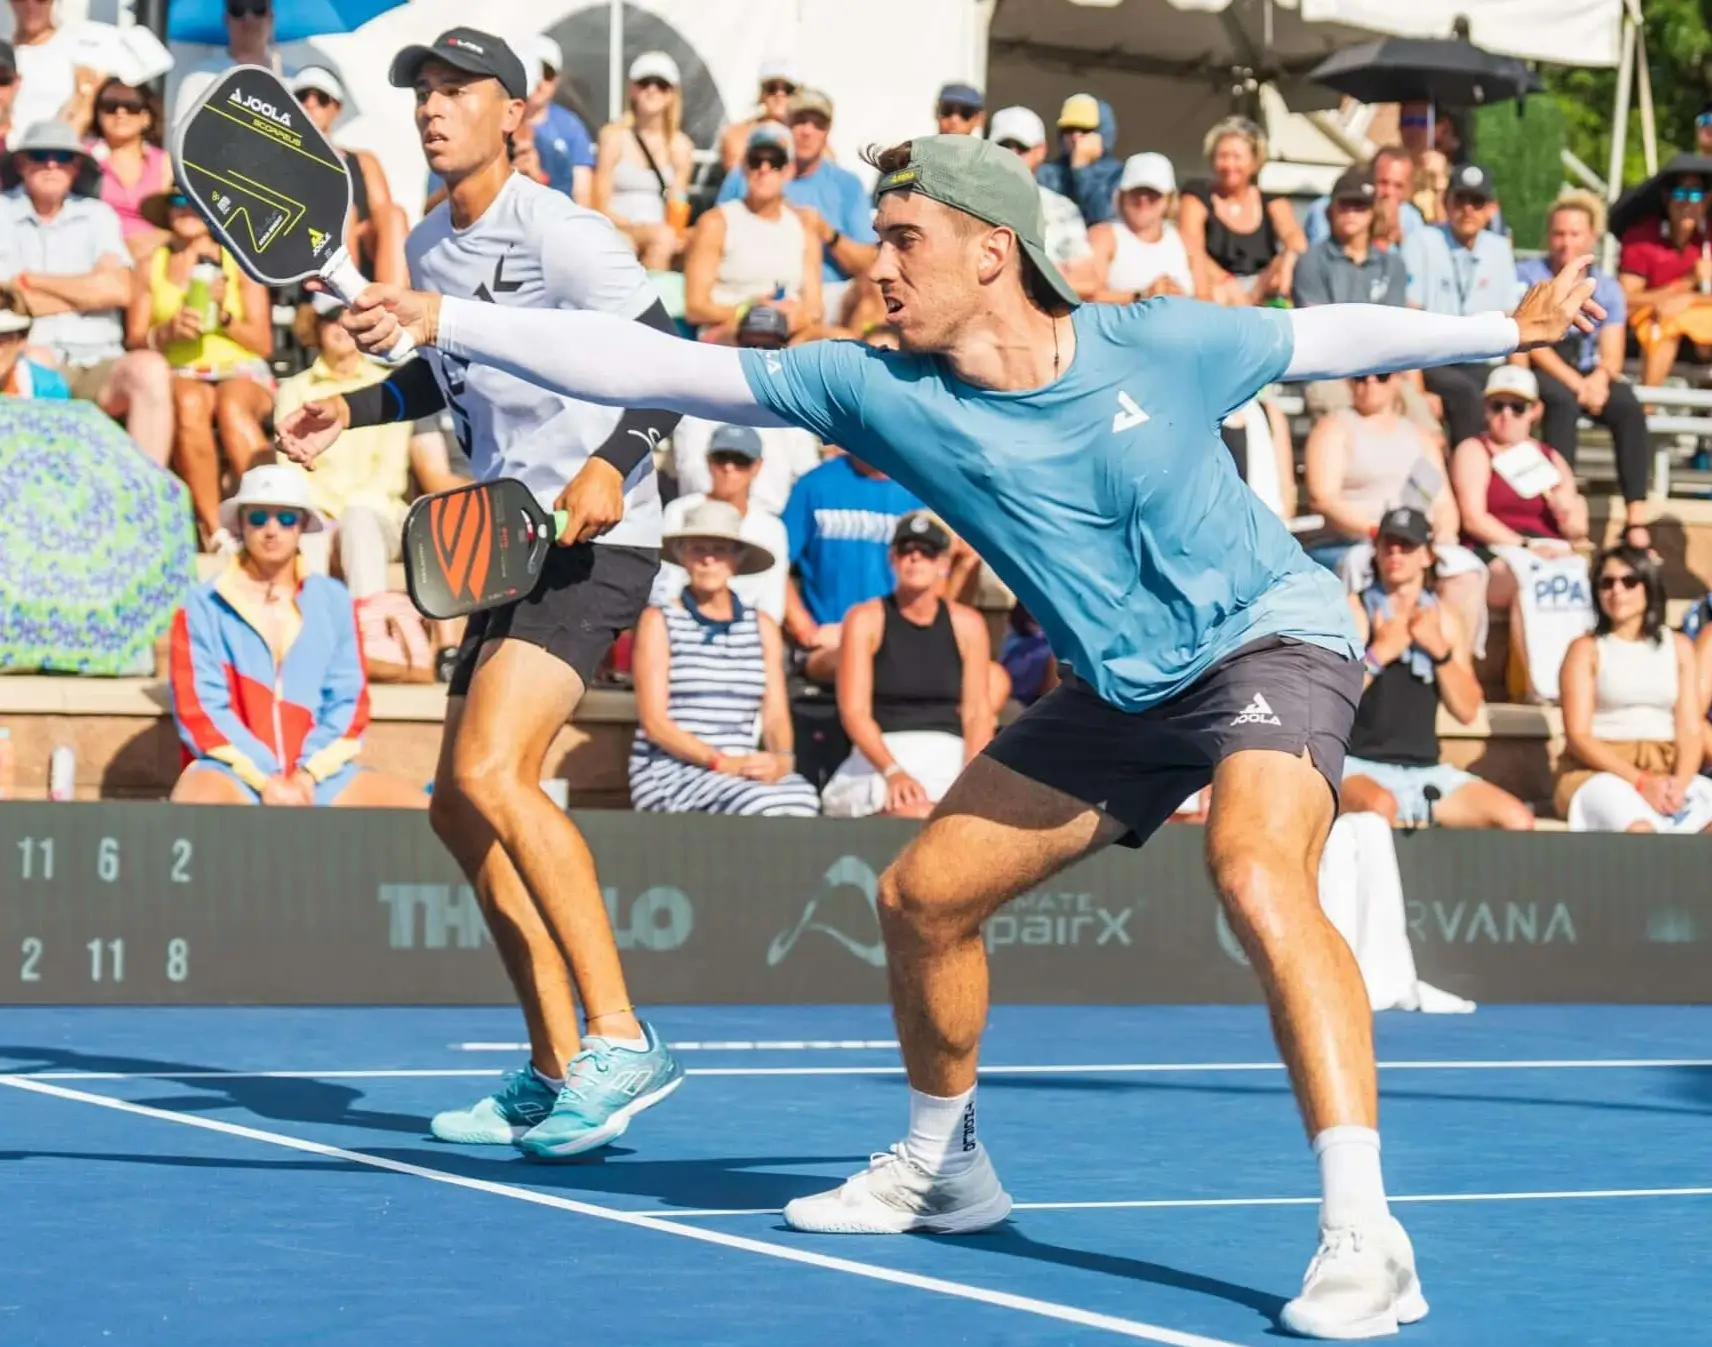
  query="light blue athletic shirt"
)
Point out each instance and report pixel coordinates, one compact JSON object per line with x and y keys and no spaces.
{"x":1106,"y":500}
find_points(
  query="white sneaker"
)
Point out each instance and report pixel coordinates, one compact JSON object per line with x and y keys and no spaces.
{"x":1361,"y":1284}
{"x":895,"y":1195}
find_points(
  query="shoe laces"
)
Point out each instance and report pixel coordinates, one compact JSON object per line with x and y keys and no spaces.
{"x":1335,"y":1242}
{"x":584,"y":1071}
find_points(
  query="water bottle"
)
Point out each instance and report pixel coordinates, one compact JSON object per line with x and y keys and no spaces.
{"x":200,"y":297}
{"x":62,"y":773}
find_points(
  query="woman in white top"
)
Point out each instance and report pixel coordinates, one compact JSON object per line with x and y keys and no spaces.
{"x":642,"y":163}
{"x":1140,"y":254}
{"x":1631,"y":712}
{"x":754,"y":250}
{"x":51,"y":86}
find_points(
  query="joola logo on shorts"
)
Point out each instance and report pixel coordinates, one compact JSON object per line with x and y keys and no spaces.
{"x":260,"y":108}
{"x":1257,"y":712}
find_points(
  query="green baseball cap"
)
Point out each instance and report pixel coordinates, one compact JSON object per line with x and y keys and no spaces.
{"x":979,"y":178}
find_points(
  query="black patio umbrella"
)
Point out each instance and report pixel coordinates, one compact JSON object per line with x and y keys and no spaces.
{"x":1444,"y":71}
{"x":1648,"y":199}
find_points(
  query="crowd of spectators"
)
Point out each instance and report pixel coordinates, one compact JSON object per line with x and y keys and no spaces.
{"x":792,"y":570}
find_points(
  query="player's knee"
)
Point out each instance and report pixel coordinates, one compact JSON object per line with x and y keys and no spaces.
{"x":1260,"y":892}
{"x":911,"y":908}
{"x":448,"y":815}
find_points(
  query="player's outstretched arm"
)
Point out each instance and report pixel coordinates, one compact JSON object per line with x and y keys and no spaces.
{"x":597,"y":357}
{"x":1338,"y":341}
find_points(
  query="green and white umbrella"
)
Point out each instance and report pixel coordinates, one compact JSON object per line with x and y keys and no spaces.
{"x":97,"y":544}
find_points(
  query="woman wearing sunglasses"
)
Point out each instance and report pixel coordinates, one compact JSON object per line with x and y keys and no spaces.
{"x":642,"y":163}
{"x":268,"y":690}
{"x":214,"y":326}
{"x":134,"y":167}
{"x":777,"y":82}
{"x":1666,"y":271}
{"x":1632,"y":712}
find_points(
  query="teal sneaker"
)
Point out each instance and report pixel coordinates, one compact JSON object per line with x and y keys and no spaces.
{"x":605,"y":1087}
{"x":502,"y":1117}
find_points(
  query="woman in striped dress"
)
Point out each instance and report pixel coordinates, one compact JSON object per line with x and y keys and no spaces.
{"x":710,"y":687}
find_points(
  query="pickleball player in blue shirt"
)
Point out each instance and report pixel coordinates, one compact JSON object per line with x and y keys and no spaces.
{"x":1078,"y":450}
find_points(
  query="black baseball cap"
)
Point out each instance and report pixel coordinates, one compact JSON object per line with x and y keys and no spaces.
{"x":763,"y":325}
{"x":1355,"y":184}
{"x":921,"y":527}
{"x":467,"y":49}
{"x":1407,"y":524}
{"x":1471,"y":180}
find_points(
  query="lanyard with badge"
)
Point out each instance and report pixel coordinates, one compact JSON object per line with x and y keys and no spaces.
{"x":1463,"y":286}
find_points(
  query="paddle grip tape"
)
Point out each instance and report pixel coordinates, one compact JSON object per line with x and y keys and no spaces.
{"x":344,"y":280}
{"x":640,"y":429}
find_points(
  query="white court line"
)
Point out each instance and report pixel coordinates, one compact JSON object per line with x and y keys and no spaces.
{"x":726,"y":1045}
{"x":1178,"y":1203}
{"x":1056,"y":1069}
{"x":1070,"y":1314}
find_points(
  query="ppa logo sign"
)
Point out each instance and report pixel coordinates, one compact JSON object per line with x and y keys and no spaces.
{"x":1562,"y":591}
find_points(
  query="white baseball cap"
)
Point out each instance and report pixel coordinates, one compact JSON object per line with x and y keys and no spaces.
{"x":283,"y":485}
{"x":778,"y":68}
{"x":12,"y":322}
{"x":320,"y":78}
{"x":1513,"y":381}
{"x":1023,"y":125}
{"x":1148,"y":170}
{"x":657,"y":65}
{"x":548,"y":52}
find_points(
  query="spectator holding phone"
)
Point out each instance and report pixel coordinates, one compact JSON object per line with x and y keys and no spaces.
{"x":1632,"y":712}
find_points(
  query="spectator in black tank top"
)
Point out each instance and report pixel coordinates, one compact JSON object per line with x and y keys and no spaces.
{"x":913,"y":685}
{"x":1243,"y":244}
{"x":1417,"y":656}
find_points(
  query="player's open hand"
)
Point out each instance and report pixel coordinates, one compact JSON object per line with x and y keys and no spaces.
{"x":1550,"y":309}
{"x":593,"y":502}
{"x":376,"y":317}
{"x":305,"y":432}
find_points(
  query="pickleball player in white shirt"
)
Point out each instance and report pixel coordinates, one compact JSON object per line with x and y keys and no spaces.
{"x":522,"y":668}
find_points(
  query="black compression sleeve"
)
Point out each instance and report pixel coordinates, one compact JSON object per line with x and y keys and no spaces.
{"x":409,"y":393}
{"x":638,"y":431}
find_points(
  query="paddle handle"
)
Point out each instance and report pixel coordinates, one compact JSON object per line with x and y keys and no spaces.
{"x":560,"y":519}
{"x":344,"y":280}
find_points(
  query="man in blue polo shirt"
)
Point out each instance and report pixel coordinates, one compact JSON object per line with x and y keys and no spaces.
{"x":831,"y":200}
{"x":840,"y":519}
{"x":1462,"y":268}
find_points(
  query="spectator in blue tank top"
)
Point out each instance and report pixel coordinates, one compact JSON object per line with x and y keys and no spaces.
{"x":840,"y":519}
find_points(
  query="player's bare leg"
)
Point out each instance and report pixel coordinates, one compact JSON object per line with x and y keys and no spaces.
{"x":1267,"y":825}
{"x":496,"y":765}
{"x":996,"y":834}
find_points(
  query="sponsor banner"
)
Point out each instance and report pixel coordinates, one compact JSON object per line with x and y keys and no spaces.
{"x":141,"y":903}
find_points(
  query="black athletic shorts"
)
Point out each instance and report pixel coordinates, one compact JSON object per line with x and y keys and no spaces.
{"x":586,"y":596}
{"x":1140,"y":766}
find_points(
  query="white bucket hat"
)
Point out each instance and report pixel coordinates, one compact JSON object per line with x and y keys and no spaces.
{"x":276,"y":484}
{"x":717,"y":519}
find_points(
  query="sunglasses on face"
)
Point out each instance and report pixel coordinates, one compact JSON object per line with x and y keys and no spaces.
{"x":1373,"y":378}
{"x":318,"y":97}
{"x":1464,"y":202}
{"x":1693,"y":195}
{"x":288,"y":519}
{"x":913,"y":549}
{"x":1628,"y":580}
{"x":774,"y":163}
{"x":725,"y":460}
{"x":1413,"y":119}
{"x":247,"y":9}
{"x":108,"y":106}
{"x":56,"y":158}
{"x":1498,"y":406}
{"x":962,"y":111}
{"x":773,"y":88}
{"x":653,"y":82}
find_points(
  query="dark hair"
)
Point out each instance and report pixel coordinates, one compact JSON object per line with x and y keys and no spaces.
{"x":1641,"y":562}
{"x":889,"y":158}
{"x":153,"y":108}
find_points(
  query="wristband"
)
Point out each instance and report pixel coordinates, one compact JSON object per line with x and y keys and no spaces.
{"x":891,"y":771}
{"x":1442,"y":660}
{"x":1374,"y":667}
{"x":717,"y":759}
{"x":833,"y":241}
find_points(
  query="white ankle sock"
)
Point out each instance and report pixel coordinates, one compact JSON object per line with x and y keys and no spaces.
{"x":942,"y":1132}
{"x":551,"y":1082}
{"x":1351,"y":1185}
{"x":637,"y":1044}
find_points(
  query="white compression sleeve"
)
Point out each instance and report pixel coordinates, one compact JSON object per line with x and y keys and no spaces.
{"x":1339,"y":341}
{"x":600,"y":357}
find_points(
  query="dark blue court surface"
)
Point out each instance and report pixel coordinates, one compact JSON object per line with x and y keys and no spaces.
{"x":248,"y":1177}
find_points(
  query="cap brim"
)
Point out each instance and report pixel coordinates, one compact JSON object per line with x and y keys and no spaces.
{"x":1036,"y":253}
